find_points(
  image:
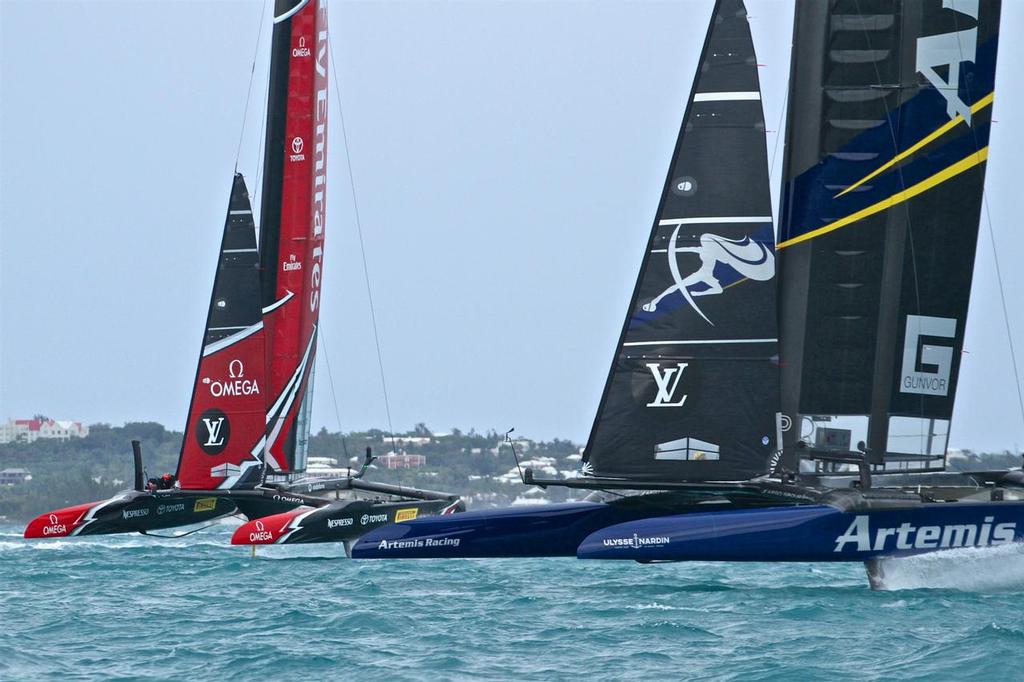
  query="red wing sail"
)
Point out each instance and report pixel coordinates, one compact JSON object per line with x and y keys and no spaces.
{"x":292,"y":223}
{"x":224,"y":434}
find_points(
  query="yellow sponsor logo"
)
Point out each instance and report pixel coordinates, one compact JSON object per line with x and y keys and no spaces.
{"x":204,"y":504}
{"x":406,"y":514}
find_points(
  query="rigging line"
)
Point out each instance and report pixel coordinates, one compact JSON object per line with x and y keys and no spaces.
{"x":995,"y":257}
{"x":362,"y":246}
{"x":330,"y":379}
{"x":261,"y":156}
{"x":1006,"y":314}
{"x":778,"y":135}
{"x":248,"y":92}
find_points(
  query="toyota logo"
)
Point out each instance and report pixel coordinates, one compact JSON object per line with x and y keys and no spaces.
{"x":297,"y":145}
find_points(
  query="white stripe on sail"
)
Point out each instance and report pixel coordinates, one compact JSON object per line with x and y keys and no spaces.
{"x":290,"y":13}
{"x":287,"y":396}
{"x":239,"y":250}
{"x":716,"y":220}
{"x":277,"y":304}
{"x":726,"y":96}
{"x":231,"y":340}
{"x":697,"y":342}
{"x":245,"y":212}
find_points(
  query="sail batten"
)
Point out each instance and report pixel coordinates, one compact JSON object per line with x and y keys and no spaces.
{"x":692,"y":394}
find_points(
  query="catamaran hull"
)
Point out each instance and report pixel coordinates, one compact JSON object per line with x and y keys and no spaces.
{"x":129,"y":512}
{"x":133,"y":511}
{"x":528,"y":531}
{"x":341,"y":521}
{"x":589,"y":530}
{"x":809,"y":533}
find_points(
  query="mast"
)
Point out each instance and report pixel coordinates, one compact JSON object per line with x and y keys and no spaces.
{"x":692,"y":394}
{"x":292,"y":223}
{"x":886,"y":142}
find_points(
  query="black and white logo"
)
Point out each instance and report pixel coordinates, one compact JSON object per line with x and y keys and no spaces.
{"x":667,"y":381}
{"x":926,"y":366}
{"x":684,"y":186}
{"x":213,"y":430}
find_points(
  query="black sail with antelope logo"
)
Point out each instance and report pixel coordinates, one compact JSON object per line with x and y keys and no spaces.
{"x":693,"y":391}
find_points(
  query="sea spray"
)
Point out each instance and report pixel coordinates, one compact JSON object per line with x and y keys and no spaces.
{"x":974,"y":569}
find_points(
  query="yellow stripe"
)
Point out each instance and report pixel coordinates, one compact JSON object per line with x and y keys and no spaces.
{"x":945,"y":174}
{"x":943,"y":129}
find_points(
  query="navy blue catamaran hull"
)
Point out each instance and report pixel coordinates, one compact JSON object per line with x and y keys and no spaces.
{"x":813,"y":533}
{"x":528,"y":531}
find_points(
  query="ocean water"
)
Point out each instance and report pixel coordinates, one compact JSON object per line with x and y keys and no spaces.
{"x":131,"y":607}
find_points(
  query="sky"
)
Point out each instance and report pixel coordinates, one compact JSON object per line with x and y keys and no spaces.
{"x":507,"y":159}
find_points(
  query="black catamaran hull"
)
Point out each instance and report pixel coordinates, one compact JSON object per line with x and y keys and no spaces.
{"x":133,"y":511}
{"x":130,"y":512}
{"x":340,"y":521}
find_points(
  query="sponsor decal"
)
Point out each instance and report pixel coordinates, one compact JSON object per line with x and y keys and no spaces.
{"x":134,"y":513}
{"x":261,"y":534}
{"x":418,"y":542}
{"x":213,"y":430}
{"x":319,"y":166}
{"x":927,"y":367}
{"x":235,"y":384}
{"x":339,"y":523}
{"x":170,"y":508}
{"x":943,"y":53}
{"x":406,"y":514}
{"x":297,"y":146}
{"x":205,"y":504}
{"x":55,"y":527}
{"x":301,"y":50}
{"x":858,"y":537}
{"x":667,"y":381}
{"x":373,"y":518}
{"x":291,"y":264}
{"x":636,"y":542}
{"x":287,"y":498}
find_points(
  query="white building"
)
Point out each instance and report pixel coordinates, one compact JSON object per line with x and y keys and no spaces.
{"x":31,"y":430}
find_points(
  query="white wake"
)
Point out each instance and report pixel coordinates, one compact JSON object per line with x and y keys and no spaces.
{"x":973,"y":569}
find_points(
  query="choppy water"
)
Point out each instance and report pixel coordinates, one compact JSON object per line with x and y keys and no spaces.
{"x":197,"y":608}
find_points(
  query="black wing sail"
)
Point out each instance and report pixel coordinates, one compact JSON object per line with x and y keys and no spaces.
{"x":889,"y":117}
{"x":693,"y":391}
{"x":225,"y":431}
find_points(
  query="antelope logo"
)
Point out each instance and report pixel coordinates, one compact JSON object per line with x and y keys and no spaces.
{"x":749,"y":259}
